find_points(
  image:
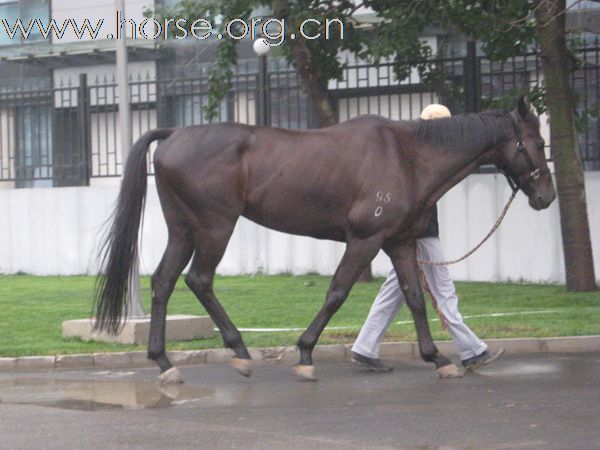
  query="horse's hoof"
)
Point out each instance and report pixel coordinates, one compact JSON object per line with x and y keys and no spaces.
{"x":305,"y":372}
{"x":170,"y":390}
{"x":241,"y":365}
{"x":450,"y":371}
{"x":171,"y":376}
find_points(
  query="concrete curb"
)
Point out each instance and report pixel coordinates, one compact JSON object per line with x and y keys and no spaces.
{"x":286,"y":355}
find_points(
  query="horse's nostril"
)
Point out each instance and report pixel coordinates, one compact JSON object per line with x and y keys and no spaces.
{"x":551,"y":197}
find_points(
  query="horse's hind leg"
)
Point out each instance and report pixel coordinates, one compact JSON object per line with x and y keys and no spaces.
{"x":357,"y":256}
{"x":210,"y":246}
{"x":405,"y":263}
{"x":177,"y":254}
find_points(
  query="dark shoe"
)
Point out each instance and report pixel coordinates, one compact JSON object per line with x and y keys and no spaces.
{"x":373,"y":364}
{"x":483,"y":359}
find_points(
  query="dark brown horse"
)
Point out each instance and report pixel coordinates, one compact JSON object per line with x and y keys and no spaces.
{"x":369,"y":182}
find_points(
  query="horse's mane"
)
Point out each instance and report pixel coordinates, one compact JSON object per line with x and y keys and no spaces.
{"x":464,"y":132}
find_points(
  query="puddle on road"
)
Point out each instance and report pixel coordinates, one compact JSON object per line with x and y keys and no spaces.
{"x":522,"y":369}
{"x":91,"y":395}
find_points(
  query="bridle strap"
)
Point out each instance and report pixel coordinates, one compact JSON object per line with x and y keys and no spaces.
{"x":512,"y":183}
{"x":533,"y":172}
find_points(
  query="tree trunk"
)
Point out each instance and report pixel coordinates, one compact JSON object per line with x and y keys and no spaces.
{"x":316,"y":88}
{"x":556,"y":63}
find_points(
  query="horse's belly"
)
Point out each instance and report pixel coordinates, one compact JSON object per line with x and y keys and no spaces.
{"x":299,"y":221}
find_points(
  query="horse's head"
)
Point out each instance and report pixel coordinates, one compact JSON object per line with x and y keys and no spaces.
{"x":523,"y":158}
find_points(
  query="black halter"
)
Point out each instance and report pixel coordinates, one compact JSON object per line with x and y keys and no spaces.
{"x":532,"y":173}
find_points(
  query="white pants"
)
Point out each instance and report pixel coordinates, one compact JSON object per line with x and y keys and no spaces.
{"x":390,"y":298}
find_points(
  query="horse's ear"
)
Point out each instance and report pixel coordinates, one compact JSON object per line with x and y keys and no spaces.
{"x":523,"y":107}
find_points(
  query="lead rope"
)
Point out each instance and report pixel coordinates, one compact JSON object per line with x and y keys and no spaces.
{"x":434,"y":302}
{"x":474,"y":249}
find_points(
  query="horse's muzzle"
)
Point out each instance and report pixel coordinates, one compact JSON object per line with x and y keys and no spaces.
{"x":541,"y":201}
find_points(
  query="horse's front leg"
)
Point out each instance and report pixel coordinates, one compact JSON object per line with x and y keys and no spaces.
{"x":357,"y":256}
{"x":404,"y":259}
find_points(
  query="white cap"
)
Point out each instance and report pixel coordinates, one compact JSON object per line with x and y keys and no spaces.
{"x":435,"y":111}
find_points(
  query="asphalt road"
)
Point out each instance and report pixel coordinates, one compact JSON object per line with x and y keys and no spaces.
{"x":539,"y":401}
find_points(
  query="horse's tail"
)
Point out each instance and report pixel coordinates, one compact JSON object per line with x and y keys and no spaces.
{"x":120,"y":245}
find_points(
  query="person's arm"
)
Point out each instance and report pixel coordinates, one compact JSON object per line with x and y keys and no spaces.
{"x":432,"y":229}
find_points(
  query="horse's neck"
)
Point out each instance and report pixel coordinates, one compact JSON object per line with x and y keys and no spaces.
{"x":452,"y":167}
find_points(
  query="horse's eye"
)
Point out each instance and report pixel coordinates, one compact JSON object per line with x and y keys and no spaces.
{"x":541,"y":145}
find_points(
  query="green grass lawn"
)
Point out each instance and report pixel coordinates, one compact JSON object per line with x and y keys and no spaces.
{"x":33,"y":308}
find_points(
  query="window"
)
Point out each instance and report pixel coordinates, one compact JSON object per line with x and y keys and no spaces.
{"x":10,"y":12}
{"x":34,"y":144}
{"x":585,"y":84}
{"x":26,"y":11}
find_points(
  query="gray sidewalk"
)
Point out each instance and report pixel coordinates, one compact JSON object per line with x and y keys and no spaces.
{"x":337,"y":352}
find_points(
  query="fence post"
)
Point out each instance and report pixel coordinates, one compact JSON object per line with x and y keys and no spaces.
{"x":472,"y":89}
{"x":230,"y":106}
{"x":161,"y":120}
{"x":83,"y":120}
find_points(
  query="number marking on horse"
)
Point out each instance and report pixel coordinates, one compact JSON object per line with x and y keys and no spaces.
{"x":384,"y":197}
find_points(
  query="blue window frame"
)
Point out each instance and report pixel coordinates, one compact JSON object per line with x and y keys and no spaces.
{"x":25,"y":10}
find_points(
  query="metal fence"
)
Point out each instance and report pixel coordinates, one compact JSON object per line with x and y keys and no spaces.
{"x":69,"y":134}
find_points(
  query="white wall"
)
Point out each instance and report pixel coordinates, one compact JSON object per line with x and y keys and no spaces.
{"x":55,"y":231}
